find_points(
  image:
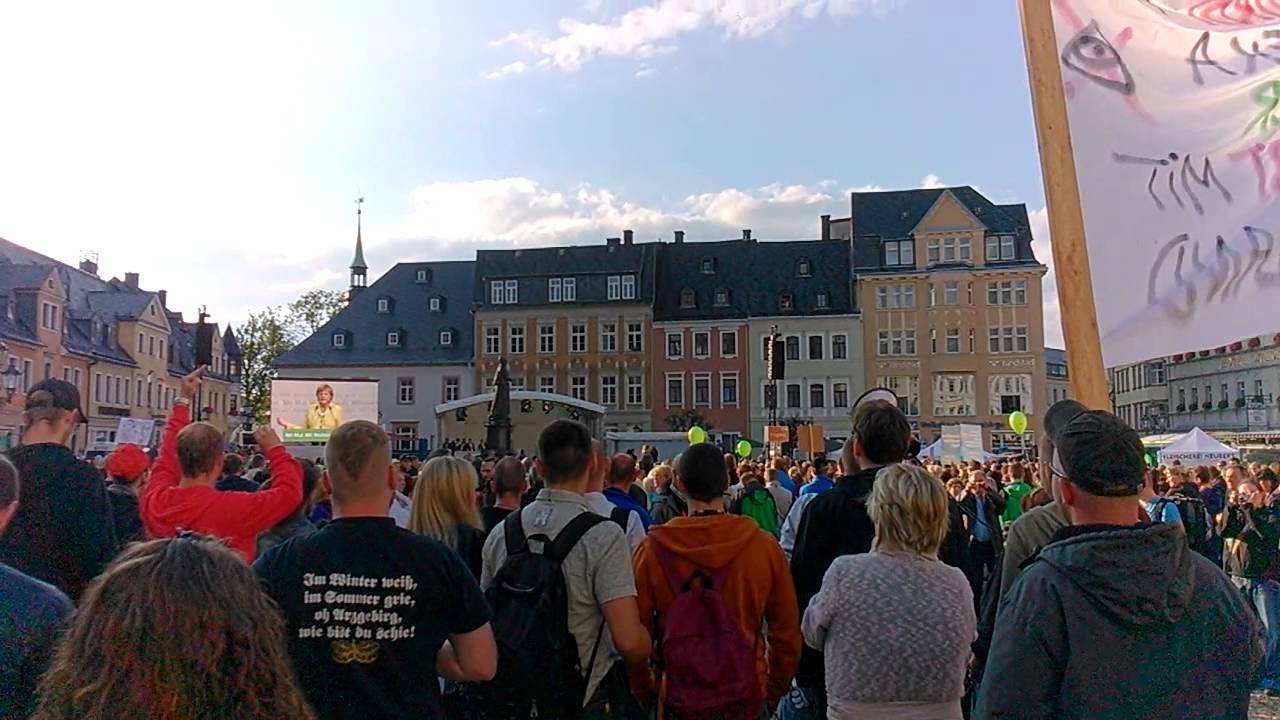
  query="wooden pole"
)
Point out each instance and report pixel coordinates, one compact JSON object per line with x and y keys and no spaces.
{"x":1066,"y":220}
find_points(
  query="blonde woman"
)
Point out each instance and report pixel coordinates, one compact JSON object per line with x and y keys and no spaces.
{"x":444,"y":508}
{"x":895,"y":623}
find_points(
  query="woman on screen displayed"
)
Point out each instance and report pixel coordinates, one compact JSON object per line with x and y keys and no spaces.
{"x":325,"y":414}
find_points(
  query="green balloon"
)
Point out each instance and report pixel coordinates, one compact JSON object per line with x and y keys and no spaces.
{"x":744,"y":448}
{"x":1018,"y":421}
{"x":697,"y":435}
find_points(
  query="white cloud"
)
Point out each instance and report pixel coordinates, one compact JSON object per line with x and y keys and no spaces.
{"x":645,"y":71}
{"x":932,"y":182}
{"x":514,"y":68}
{"x":652,"y":29}
{"x":1044,"y":253}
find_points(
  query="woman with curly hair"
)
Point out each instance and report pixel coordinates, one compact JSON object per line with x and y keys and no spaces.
{"x":173,"y":629}
{"x":444,"y":508}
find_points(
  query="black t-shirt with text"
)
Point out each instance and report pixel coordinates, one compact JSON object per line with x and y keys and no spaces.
{"x":367,"y":607}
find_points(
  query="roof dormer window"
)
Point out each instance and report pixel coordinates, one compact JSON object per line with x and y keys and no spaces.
{"x":435,"y":304}
{"x":708,"y":266}
{"x":722,"y":297}
{"x":340,"y":339}
{"x":785,"y":302}
{"x":804,"y":268}
{"x":393,"y":338}
{"x":384,"y":306}
{"x":822,"y":301}
{"x":424,"y":275}
{"x":688,"y":299}
{"x":446,"y":338}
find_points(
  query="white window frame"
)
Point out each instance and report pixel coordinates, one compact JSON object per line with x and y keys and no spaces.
{"x":547,"y":383}
{"x":951,"y":293}
{"x":433,"y":304}
{"x":608,"y":337}
{"x":607,"y":388}
{"x":614,"y":287}
{"x":822,"y":301}
{"x":492,"y":339}
{"x":628,"y":287}
{"x":678,"y":336}
{"x":546,"y":340}
{"x":578,"y":387}
{"x":406,"y":391}
{"x":511,"y":292}
{"x":720,"y":298}
{"x":730,"y":379}
{"x":339,"y":339}
{"x":553,"y":290}
{"x":821,"y":387}
{"x":678,"y":379}
{"x":635,"y":331}
{"x":569,"y":289}
{"x":446,"y":338}
{"x":384,"y":305}
{"x":496,"y":294}
{"x":733,"y":353}
{"x":422,"y":276}
{"x":836,"y":401}
{"x":706,"y":336}
{"x":452,"y":389}
{"x":700,"y":377}
{"x":635,"y":391}
{"x":952,"y":334}
{"x":844,"y":345}
{"x":822,"y":347}
{"x":577,"y":340}
{"x":516,"y":332}
{"x":393,"y":338}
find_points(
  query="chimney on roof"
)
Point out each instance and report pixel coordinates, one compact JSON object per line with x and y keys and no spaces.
{"x":679,"y":236}
{"x":628,"y":237}
{"x":746,"y":234}
{"x":90,"y":265}
{"x":826,"y":227}
{"x":164,"y":298}
{"x":613,"y":242}
{"x":131,"y":279}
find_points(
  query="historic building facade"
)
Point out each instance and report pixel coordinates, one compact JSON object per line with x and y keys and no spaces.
{"x":951,"y":300}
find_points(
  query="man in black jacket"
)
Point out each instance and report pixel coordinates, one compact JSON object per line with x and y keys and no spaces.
{"x":63,"y":532}
{"x":836,"y":522}
{"x":1250,"y":532}
{"x":982,"y":505}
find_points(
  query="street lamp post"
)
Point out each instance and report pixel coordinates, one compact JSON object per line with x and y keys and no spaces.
{"x":10,"y":376}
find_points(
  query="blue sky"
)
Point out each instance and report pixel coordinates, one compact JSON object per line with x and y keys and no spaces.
{"x":230,"y":144}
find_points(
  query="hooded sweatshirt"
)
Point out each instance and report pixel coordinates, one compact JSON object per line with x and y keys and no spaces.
{"x":757,"y":590}
{"x":235,"y":517}
{"x":1121,"y":622}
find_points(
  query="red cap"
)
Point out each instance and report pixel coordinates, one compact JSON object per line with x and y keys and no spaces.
{"x":128,"y":463}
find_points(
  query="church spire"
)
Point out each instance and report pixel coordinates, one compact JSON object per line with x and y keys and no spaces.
{"x":359,"y":269}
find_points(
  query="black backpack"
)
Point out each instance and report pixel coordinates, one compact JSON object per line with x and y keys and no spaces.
{"x":539,"y":673}
{"x":1195,"y":519}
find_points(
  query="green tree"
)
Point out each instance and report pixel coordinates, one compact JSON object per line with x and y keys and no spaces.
{"x":263,"y":337}
{"x":681,"y":420}
{"x":311,"y":311}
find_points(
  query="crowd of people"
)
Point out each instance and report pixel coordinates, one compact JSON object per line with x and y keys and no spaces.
{"x":575,"y":584}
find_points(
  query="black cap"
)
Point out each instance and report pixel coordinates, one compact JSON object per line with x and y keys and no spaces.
{"x":57,"y":394}
{"x":1096,"y":450}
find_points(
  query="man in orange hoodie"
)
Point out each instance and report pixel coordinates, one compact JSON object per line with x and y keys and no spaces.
{"x":180,"y":494}
{"x":744,"y":568}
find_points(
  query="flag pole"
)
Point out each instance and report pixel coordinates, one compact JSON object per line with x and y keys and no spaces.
{"x":1066,"y":220}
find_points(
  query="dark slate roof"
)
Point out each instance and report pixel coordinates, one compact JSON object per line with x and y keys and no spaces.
{"x":894,"y":215}
{"x":589,"y":265}
{"x":453,"y":281}
{"x":755,"y":274}
{"x":230,"y":345}
{"x":78,"y":341}
{"x":23,"y":277}
{"x":124,"y":303}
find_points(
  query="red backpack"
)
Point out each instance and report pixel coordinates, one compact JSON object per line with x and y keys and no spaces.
{"x":708,"y":667}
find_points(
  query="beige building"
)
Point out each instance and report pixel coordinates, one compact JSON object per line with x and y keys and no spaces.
{"x":952,"y":311}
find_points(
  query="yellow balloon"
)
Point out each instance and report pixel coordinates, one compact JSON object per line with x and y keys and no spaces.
{"x":1018,"y":421}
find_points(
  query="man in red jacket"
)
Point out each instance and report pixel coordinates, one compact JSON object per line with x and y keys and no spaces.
{"x":180,"y":494}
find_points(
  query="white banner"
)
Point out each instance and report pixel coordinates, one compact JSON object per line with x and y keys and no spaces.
{"x":136,"y":431}
{"x":1174,"y":110}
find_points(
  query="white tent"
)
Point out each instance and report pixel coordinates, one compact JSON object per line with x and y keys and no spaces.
{"x":931,"y":452}
{"x":1196,"y":448}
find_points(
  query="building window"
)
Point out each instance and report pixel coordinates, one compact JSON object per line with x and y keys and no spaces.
{"x":953,"y":395}
{"x":899,"y":253}
{"x":496,"y":296}
{"x":897,"y":342}
{"x":793,"y":396}
{"x":546,"y":339}
{"x":97,"y":387}
{"x":515,"y":339}
{"x":675,"y":390}
{"x":688,"y":298}
{"x":785,"y":302}
{"x":393,"y":338}
{"x":701,"y":344}
{"x":953,"y":340}
{"x":339,"y":339}
{"x":815,"y":347}
{"x":1007,"y":393}
{"x":423,"y":276}
{"x":511,"y":292}
{"x":452,"y":388}
{"x":702,"y":389}
{"x":792,"y":345}
{"x":384,"y":305}
{"x":840,"y":395}
{"x":446,"y":338}
{"x":553,"y":290}
{"x":895,"y":297}
{"x":405,"y":436}
{"x":151,"y":345}
{"x":547,"y":383}
{"x":708,"y":266}
{"x":950,"y":250}
{"x":608,"y":337}
{"x":675,"y":345}
{"x":635,"y":337}
{"x":804,"y":268}
{"x":141,"y":344}
{"x":628,"y":287}
{"x":728,"y":390}
{"x":817,"y":395}
{"x":433,"y":304}
{"x":570,"y":289}
{"x":405,"y":391}
{"x":635,"y":390}
{"x":822,"y":301}
{"x":951,"y":293}
{"x":492,"y":340}
{"x":728,"y":343}
{"x":1008,"y":339}
{"x":722,"y":298}
{"x":1000,"y":247}
{"x":578,"y":387}
{"x":578,"y":337}
{"x":839,"y":347}
{"x":907,"y":388}
{"x":1007,"y":292}
{"x":49,"y":316}
{"x":615,"y":287}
